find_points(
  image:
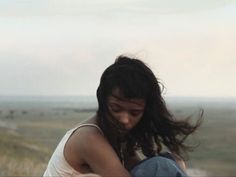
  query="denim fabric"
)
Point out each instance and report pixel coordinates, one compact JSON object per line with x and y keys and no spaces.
{"x":157,"y":167}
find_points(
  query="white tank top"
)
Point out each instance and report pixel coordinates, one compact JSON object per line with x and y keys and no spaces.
{"x":57,"y":165}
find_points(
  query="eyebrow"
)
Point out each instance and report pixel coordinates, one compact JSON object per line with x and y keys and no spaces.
{"x":120,"y":106}
{"x":117,"y":97}
{"x":128,"y":100}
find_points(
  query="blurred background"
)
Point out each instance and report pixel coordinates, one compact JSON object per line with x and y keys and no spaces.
{"x":52,"y":54}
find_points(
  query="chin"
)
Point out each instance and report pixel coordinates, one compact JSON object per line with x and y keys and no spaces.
{"x":123,"y":133}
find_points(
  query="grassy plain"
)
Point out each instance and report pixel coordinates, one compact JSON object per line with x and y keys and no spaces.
{"x":29,"y":134}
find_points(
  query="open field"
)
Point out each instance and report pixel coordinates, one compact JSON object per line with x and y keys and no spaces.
{"x":216,"y":151}
{"x":30,"y":132}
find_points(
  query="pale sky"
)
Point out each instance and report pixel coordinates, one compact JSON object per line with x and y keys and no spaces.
{"x":61,"y":47}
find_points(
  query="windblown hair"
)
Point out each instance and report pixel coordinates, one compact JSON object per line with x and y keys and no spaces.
{"x":157,"y":126}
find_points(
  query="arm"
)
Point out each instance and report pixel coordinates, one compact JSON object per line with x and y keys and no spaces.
{"x":101,"y":158}
{"x":89,"y":175}
{"x":92,"y":149}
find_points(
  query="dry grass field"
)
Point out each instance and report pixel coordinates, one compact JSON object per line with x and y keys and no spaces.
{"x":30,"y":132}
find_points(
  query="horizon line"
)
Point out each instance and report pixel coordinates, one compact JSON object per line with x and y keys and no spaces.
{"x":90,"y":95}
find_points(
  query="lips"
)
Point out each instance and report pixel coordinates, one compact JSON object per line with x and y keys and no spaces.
{"x":122,"y":131}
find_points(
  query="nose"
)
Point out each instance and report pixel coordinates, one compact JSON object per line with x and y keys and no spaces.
{"x":124,"y":119}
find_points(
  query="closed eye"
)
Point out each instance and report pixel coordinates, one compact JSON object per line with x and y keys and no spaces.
{"x":115,"y":108}
{"x":136,"y":112}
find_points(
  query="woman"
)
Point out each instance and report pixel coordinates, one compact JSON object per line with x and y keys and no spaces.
{"x":131,"y":119}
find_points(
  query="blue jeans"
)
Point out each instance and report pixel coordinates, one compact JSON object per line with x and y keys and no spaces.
{"x":157,"y":167}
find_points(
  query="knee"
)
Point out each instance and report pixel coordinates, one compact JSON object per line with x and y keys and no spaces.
{"x":157,"y":166}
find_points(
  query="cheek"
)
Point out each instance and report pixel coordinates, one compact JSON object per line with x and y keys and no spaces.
{"x":112,"y":114}
{"x":136,"y":120}
{"x":112,"y":117}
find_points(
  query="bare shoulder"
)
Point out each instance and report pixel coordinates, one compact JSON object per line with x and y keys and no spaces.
{"x":79,"y":141}
{"x":86,"y":136}
{"x":88,"y":146}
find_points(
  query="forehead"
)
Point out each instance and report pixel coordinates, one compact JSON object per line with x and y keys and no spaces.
{"x":117,"y":97}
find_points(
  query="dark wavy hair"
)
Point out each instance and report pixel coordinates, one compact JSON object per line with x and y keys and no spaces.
{"x":157,"y":126}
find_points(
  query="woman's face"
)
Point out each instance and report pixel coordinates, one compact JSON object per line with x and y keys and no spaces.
{"x":124,"y":114}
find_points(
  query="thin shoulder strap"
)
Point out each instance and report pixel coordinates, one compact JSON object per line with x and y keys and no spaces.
{"x":91,"y":125}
